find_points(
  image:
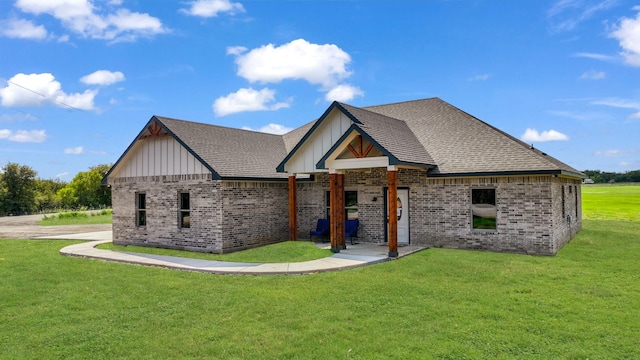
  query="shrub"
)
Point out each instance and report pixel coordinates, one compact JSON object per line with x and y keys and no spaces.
{"x":72,"y":214}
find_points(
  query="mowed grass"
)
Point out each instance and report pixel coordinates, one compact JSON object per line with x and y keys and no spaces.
{"x":438,"y":303}
{"x":77,"y":218}
{"x":289,"y":251}
{"x":615,"y":202}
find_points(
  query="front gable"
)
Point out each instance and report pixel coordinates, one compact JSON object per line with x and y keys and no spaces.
{"x":346,"y":137}
{"x":321,"y":138}
{"x":355,"y":150}
{"x":156,"y":151}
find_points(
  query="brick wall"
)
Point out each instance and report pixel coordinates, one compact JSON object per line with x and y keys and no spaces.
{"x":529,"y":216}
{"x":229,"y":216}
{"x":254,"y":213}
{"x":224,"y":216}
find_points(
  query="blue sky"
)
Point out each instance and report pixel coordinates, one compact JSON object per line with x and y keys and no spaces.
{"x":80,"y":78}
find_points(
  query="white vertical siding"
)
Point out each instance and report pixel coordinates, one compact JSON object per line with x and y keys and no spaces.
{"x":159,"y":156}
{"x":317,"y":145}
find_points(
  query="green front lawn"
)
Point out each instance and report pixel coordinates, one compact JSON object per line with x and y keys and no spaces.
{"x":289,"y":251}
{"x":439,"y":303}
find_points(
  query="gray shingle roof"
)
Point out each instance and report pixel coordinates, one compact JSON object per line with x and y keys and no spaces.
{"x":294,"y":136}
{"x":423,"y":132}
{"x":460,"y":143}
{"x":231,"y":152}
{"x":392,"y":134}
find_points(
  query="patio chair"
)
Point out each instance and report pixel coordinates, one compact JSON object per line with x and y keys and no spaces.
{"x":321,"y":230}
{"x":351,"y":229}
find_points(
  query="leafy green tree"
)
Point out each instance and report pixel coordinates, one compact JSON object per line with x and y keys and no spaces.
{"x":613,"y":177}
{"x":86,"y":190}
{"x":47,"y":194}
{"x":17,"y":189}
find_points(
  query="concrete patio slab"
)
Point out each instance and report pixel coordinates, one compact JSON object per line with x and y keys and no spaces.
{"x":354,"y":256}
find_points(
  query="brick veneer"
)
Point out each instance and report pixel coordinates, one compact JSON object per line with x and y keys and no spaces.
{"x":530,"y":218}
{"x":233,"y":215}
{"x":225,"y":216}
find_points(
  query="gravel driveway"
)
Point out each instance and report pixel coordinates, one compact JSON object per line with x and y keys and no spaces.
{"x":26,"y":227}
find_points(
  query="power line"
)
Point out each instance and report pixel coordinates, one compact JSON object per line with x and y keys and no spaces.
{"x":44,"y":96}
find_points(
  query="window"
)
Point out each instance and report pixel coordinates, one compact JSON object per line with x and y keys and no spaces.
{"x":350,"y":204}
{"x":576,"y":196}
{"x":564,"y":204}
{"x":141,"y":209}
{"x":483,"y":209}
{"x":185,"y":214}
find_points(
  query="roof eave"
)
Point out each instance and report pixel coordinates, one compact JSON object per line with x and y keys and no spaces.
{"x":511,"y":173}
{"x":263,"y":179}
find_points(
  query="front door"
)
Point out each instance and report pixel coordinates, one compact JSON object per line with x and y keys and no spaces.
{"x":403,"y":215}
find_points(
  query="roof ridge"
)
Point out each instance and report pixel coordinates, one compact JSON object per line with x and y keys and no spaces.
{"x":217,"y":126}
{"x":403,"y":102}
{"x":370,"y":111}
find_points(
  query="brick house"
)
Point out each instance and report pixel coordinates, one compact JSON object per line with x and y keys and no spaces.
{"x":458,"y":183}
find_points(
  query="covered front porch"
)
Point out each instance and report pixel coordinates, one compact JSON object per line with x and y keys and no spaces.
{"x":340,"y":205}
{"x":346,"y":139}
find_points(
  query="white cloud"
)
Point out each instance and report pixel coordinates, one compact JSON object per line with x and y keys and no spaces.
{"x":566,"y":15}
{"x":593,"y":75}
{"x":343,"y":92}
{"x":621,"y":103}
{"x":82,"y":17}
{"x":236,"y":50}
{"x":247,"y":100}
{"x":610,"y":153}
{"x":271,"y":129}
{"x":595,"y":56}
{"x":22,"y":29}
{"x":32,"y":90}
{"x":317,"y":64}
{"x":628,"y":35}
{"x":61,"y":175}
{"x":480,"y":77}
{"x":211,"y":8}
{"x":20,"y":116}
{"x":103,"y":77}
{"x":532,"y":135}
{"x":74,"y":151}
{"x":35,"y":136}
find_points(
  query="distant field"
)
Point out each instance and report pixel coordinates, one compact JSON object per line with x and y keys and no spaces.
{"x":439,"y":303}
{"x":611,"y":202}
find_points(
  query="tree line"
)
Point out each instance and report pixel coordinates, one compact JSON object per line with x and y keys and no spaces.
{"x":22,"y":192}
{"x":612,"y":177}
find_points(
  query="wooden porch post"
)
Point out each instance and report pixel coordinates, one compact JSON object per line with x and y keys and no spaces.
{"x":393,"y":211}
{"x":340,"y":211}
{"x":333,"y":213}
{"x":293,"y":211}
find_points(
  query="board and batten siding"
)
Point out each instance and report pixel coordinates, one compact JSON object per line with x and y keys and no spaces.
{"x":160,"y":156}
{"x":318,"y":144}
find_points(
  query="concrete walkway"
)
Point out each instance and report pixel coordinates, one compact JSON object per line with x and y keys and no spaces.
{"x":354,"y":256}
